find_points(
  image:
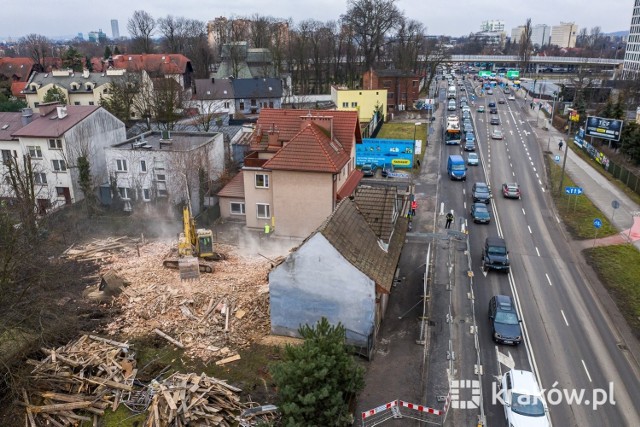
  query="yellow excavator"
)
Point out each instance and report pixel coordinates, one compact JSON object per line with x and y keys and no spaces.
{"x":195,"y":247}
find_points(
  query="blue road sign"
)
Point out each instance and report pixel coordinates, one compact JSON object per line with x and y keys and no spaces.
{"x":597,"y":223}
{"x":557,"y":159}
{"x":573,"y":190}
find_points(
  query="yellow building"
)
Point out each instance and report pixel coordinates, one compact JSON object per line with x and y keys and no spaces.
{"x":361,"y":100}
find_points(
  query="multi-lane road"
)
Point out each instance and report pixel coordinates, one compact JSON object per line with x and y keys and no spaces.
{"x":571,"y":344}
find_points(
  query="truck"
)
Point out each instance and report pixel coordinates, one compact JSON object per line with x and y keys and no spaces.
{"x":456,"y":168}
{"x":452,"y":133}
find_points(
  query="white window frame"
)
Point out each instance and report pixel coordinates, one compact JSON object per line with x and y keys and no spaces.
{"x":59,"y":165}
{"x":121,"y":165}
{"x":143,"y":166}
{"x":35,"y":151}
{"x":55,"y":144}
{"x":161,"y":177}
{"x":265,"y":180}
{"x":241,"y":208}
{"x":268,"y":211}
{"x":125,"y":193}
{"x":40,"y":178}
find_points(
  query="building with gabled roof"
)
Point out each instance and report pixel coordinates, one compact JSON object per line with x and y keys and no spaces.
{"x":301,"y":164}
{"x":156,"y":65}
{"x":343,"y":271}
{"x":403,"y":87}
{"x":16,"y":69}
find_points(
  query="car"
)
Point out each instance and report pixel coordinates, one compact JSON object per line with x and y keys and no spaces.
{"x":466,"y":114}
{"x":480,"y":213}
{"x":505,"y":323}
{"x":501,"y":101}
{"x":497,"y":134}
{"x":495,"y":255}
{"x":463,"y":88}
{"x":494,"y":121}
{"x":489,"y":92}
{"x":369,"y":169}
{"x":511,"y":190}
{"x":492,"y":105}
{"x":466,"y":108}
{"x":467,"y":128}
{"x":524,"y":404}
{"x":511,"y":98}
{"x":472,"y":159}
{"x":463,"y":99}
{"x":469,"y":146}
{"x":481,"y":192}
{"x":493,"y":111}
{"x":480,"y":109}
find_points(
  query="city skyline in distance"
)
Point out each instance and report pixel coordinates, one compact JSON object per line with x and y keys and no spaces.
{"x":438,"y":19}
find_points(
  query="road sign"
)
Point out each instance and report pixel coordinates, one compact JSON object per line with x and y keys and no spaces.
{"x":615,"y":204}
{"x":557,"y":158}
{"x":576,"y":191}
{"x":597,"y":223}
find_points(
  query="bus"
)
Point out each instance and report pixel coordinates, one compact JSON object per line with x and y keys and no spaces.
{"x":452,"y":133}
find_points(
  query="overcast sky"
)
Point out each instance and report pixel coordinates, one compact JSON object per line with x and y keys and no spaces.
{"x":56,"y":18}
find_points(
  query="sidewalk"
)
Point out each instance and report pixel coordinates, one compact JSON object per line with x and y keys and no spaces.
{"x":598,"y":189}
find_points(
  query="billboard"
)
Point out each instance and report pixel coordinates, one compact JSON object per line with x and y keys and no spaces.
{"x":484,"y":73}
{"x":513,"y":74}
{"x":385,"y":152}
{"x":603,"y":128}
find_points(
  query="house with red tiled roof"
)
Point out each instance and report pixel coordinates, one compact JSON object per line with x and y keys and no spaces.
{"x":54,"y":139}
{"x":160,"y":65}
{"x":301,"y":163}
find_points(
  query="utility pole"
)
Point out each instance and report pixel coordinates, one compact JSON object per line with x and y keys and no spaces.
{"x":564,"y":162}
{"x":553,"y":110}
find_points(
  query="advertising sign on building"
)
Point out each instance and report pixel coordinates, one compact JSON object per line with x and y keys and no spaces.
{"x":386,"y":152}
{"x":603,"y":128}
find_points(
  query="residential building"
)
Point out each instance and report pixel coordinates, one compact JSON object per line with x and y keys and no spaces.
{"x":564,"y":35}
{"x":343,"y":271}
{"x":115,"y":30}
{"x":163,"y":166}
{"x":9,"y":147}
{"x":17,"y":71}
{"x":237,"y":96}
{"x":301,"y":163}
{"x":493,"y":25}
{"x":55,"y":138}
{"x":213,"y":96}
{"x":491,"y":38}
{"x":540,"y":35}
{"x":516,"y":34}
{"x":403,"y":87}
{"x":156,"y":65}
{"x":239,"y":61}
{"x":365,"y":102}
{"x":631,"y":65}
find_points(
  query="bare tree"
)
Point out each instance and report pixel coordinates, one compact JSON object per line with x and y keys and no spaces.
{"x":168,"y":102}
{"x":36,"y":47}
{"x":141,"y":27}
{"x":408,"y":41}
{"x":526,"y":48}
{"x":435,"y":54}
{"x":173,"y":32}
{"x":370,"y":21}
{"x":261,"y":35}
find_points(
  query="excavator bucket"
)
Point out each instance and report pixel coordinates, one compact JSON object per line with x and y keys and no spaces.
{"x":189,"y":268}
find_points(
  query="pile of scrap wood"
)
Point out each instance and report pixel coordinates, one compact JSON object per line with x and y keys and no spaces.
{"x":78,"y":381}
{"x":211,"y":318}
{"x":102,"y":250}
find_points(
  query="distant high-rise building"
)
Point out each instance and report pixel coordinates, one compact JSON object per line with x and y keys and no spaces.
{"x":564,"y":35}
{"x":540,"y":35}
{"x":80,"y":36}
{"x":115,"y":31}
{"x":492,"y":25}
{"x":516,"y":34}
{"x":631,"y":65}
{"x":97,"y":36}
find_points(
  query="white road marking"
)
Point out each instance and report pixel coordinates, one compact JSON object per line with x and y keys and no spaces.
{"x":558,"y":219}
{"x":529,"y":227}
{"x":548,"y":280}
{"x":537,"y":251}
{"x":514,"y":174}
{"x":465,"y":205}
{"x":534,"y":169}
{"x":537,"y":176}
{"x":565,"y":320}
{"x":543,"y":190}
{"x":523,"y":212}
{"x":540,"y":182}
{"x":587,"y":371}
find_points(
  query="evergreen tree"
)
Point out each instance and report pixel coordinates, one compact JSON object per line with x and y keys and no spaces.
{"x":107,"y":52}
{"x":316,"y":379}
{"x":55,"y":94}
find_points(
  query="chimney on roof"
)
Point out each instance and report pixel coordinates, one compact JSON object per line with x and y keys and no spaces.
{"x":272,"y":138}
{"x":27,"y":116}
{"x":62,"y":112}
{"x":47,"y":107}
{"x":325,"y":122}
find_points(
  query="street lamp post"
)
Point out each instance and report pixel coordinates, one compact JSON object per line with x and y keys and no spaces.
{"x":553,"y":110}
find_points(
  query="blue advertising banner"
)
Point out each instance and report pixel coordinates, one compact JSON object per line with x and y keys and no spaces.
{"x":603,"y":128}
{"x":385,"y":152}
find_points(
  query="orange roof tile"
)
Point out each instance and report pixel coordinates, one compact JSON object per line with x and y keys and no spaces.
{"x":16,"y":89}
{"x":287,"y":123}
{"x":311,"y":150}
{"x":16,"y":68}
{"x":159,"y":64}
{"x":350,"y":184}
{"x":234,"y":188}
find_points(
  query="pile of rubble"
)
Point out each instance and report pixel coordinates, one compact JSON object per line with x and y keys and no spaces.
{"x":211,"y":318}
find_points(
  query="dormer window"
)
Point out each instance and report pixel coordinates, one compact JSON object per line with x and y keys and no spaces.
{"x":89,"y":86}
{"x":75,"y":86}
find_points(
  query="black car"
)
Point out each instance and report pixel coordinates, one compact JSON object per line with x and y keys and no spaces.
{"x":495,"y":121}
{"x":480,"y":213}
{"x":505,"y":323}
{"x":493,"y":111}
{"x":495,"y":255}
{"x":492,"y":104}
{"x":480,"y":192}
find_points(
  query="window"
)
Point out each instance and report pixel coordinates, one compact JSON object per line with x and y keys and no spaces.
{"x":241,"y":106}
{"x":143,"y":165}
{"x":263,"y":211}
{"x":262,"y":180}
{"x":55,"y":144}
{"x":162,"y":193}
{"x":35,"y":104}
{"x":35,"y":152}
{"x":125,"y":193}
{"x":146,"y":194}
{"x":40,"y":178}
{"x":386,"y":84}
{"x":158,"y":165}
{"x":76,"y":103}
{"x":345,"y":105}
{"x":161,"y":177}
{"x":121,"y":165}
{"x":59,"y":165}
{"x":354,"y":104}
{"x":237,"y":208}
{"x":92,"y":103}
{"x":60,"y":191}
{"x":253,"y":103}
{"x":6,"y":156}
{"x":226,"y":104}
{"x":390,"y":95}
